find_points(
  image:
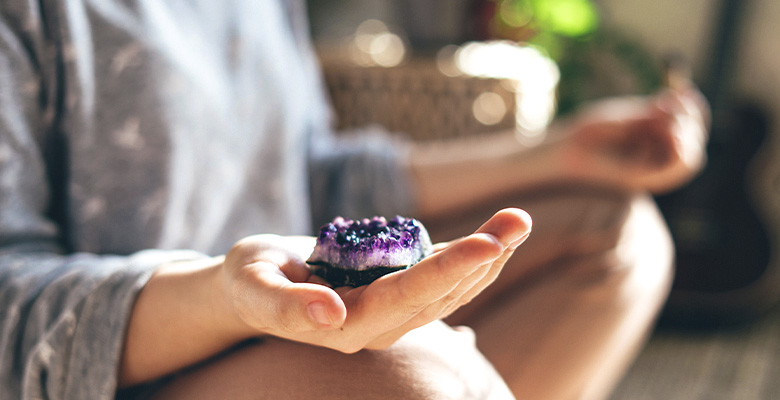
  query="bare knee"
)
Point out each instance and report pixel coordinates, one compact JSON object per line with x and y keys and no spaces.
{"x":433,"y":362}
{"x":614,"y":232}
{"x":445,"y":364}
{"x":644,"y":250}
{"x":628,"y":259}
{"x":591,"y":236}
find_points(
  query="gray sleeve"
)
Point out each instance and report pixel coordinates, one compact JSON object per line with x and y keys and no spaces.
{"x":360,"y":174}
{"x":62,"y":316}
{"x":64,"y":320}
{"x":354,"y":174}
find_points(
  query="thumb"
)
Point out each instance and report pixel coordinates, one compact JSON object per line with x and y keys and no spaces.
{"x":306,"y":306}
{"x":273,"y":304}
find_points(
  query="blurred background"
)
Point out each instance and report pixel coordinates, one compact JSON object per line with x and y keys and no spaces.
{"x":442,"y":68}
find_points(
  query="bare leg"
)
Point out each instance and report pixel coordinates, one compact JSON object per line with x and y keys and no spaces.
{"x":563,"y":321}
{"x":575,"y":304}
{"x":433,"y":362}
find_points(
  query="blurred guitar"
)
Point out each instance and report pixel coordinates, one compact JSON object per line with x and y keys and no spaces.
{"x":723,"y":248}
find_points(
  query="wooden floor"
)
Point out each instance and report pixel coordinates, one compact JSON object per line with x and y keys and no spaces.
{"x":722,"y":364}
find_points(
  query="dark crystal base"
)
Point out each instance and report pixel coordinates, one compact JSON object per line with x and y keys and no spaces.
{"x":337,"y":276}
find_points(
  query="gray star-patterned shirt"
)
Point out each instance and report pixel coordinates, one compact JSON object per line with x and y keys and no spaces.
{"x":136,"y":132}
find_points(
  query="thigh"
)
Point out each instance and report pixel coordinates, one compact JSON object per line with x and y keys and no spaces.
{"x":576,"y":302}
{"x":568,"y":223}
{"x":433,"y":362}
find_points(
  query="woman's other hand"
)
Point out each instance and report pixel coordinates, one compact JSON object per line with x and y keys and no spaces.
{"x":656,"y":143}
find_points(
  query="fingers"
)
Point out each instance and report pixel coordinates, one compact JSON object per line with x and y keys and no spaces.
{"x":488,"y":278}
{"x":511,"y":227}
{"x":689,"y":99}
{"x":514,"y":226}
{"x":686,"y":117}
{"x":437,"y":247}
{"x":284,"y":252}
{"x":650,"y":144}
{"x":446,"y":280}
{"x":400,"y":302}
{"x":689,"y":104}
{"x":438,"y":275}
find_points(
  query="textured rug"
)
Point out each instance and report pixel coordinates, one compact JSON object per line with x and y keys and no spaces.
{"x":720,"y":364}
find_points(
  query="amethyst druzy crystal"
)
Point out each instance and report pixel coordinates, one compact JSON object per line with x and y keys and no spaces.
{"x":357,"y":252}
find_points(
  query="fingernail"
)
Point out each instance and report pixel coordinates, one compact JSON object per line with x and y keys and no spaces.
{"x":319,"y":313}
{"x":517,"y":242}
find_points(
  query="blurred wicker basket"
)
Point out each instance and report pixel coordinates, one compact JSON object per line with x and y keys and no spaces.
{"x":415,"y":98}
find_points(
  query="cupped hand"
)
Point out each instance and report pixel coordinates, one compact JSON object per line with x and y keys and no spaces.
{"x":270,"y":288}
{"x":655,"y":143}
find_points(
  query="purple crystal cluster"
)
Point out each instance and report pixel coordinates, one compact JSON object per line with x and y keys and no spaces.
{"x":369,"y":243}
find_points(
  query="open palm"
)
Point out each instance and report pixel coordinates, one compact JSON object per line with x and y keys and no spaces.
{"x":274,"y":293}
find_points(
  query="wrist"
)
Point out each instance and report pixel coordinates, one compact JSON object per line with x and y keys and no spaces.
{"x":211,"y":299}
{"x":222,"y":304}
{"x":179,"y":318}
